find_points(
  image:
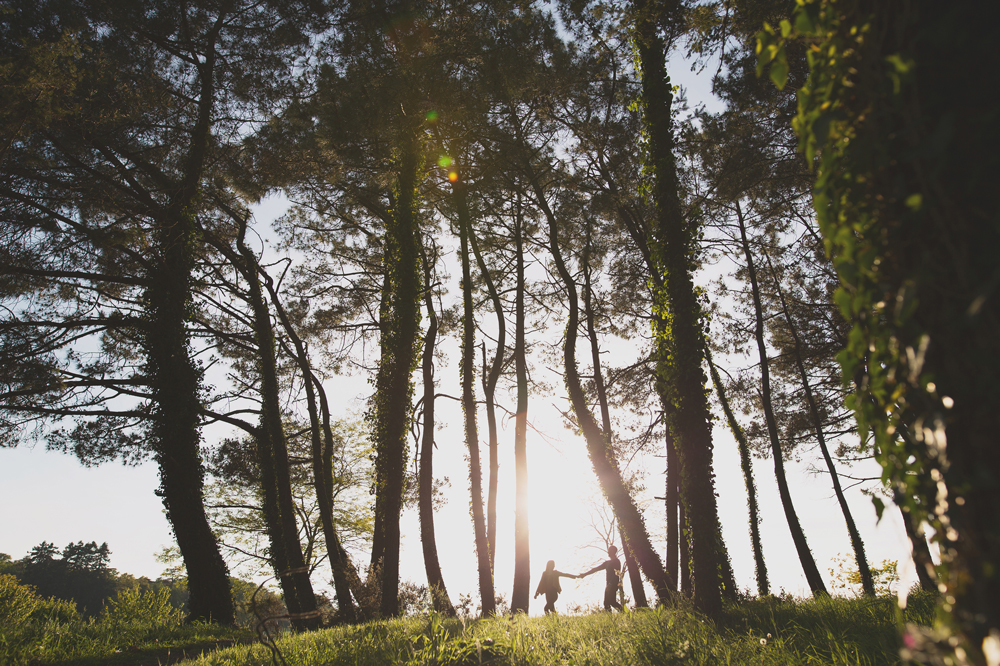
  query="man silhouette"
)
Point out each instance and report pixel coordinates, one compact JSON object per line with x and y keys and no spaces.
{"x":613,"y":568}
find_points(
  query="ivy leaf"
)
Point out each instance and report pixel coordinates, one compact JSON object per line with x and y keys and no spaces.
{"x":779,"y":68}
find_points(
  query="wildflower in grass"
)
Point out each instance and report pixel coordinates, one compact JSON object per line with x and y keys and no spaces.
{"x":763,"y":641}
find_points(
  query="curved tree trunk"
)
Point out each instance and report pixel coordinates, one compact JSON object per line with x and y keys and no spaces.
{"x":601,"y":457}
{"x":486,"y":590}
{"x":635,"y":578}
{"x":813,"y":578}
{"x":490,"y":379}
{"x":432,"y":566}
{"x":345,"y":574}
{"x":746,"y":465}
{"x":175,"y":379}
{"x":867,"y":583}
{"x":272,"y":452}
{"x":321,"y":440}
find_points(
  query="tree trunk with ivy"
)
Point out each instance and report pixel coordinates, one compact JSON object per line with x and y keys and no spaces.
{"x":175,"y":378}
{"x":681,"y":342}
{"x":760,"y":567}
{"x":272,"y":453}
{"x":400,"y":320}
{"x":175,"y":384}
{"x":906,"y":140}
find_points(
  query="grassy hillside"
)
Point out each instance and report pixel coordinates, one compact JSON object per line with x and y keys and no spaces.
{"x":142,"y":629}
{"x":771,"y":631}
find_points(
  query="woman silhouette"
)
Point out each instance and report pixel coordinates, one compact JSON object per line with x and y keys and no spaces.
{"x":549,"y":585}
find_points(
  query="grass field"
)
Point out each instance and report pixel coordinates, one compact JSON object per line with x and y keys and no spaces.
{"x":772,"y":631}
{"x":761,"y":631}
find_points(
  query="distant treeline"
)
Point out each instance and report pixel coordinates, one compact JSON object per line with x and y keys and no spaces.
{"x":80,"y":573}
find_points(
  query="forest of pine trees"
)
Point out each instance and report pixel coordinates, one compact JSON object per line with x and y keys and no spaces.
{"x":523,"y":185}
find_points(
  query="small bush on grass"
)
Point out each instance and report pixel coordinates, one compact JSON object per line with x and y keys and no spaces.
{"x":134,"y":616}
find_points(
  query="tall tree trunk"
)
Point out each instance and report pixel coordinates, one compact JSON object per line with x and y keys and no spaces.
{"x":673,"y":507}
{"x":344,"y":572}
{"x":641,"y":239}
{"x":373,"y":580}
{"x":745,"y":463}
{"x":635,"y":578}
{"x":687,"y":577}
{"x":321,"y":440}
{"x":490,"y":379}
{"x":867,"y":583}
{"x":425,"y":489}
{"x":394,"y":387}
{"x":175,"y":385}
{"x":680,"y":368}
{"x":272,"y":451}
{"x":922,"y":561}
{"x":521,"y":594}
{"x":175,"y":380}
{"x":813,"y":578}
{"x":598,"y":445}
{"x":486,"y":590}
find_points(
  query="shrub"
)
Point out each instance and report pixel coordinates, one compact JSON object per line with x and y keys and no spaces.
{"x":16,"y":601}
{"x":134,"y":613}
{"x":53,"y":609}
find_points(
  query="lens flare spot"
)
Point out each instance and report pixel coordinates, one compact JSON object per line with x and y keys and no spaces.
{"x":431,"y":116}
{"x":444,"y":161}
{"x":453,"y":176}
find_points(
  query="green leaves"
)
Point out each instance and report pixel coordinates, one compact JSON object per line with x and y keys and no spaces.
{"x":771,"y":51}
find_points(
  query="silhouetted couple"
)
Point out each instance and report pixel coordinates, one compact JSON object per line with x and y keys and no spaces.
{"x":549,"y":584}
